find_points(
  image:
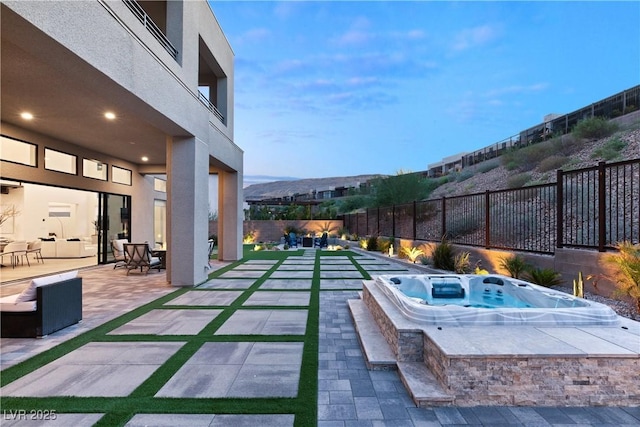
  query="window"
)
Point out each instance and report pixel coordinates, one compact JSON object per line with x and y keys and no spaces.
{"x":120,"y":175}
{"x":160,"y":223}
{"x":160,"y":185}
{"x":60,"y":162}
{"x":15,"y":151}
{"x":94,"y":169}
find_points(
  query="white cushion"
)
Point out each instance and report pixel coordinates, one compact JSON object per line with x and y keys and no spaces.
{"x":9,"y":304}
{"x":29,"y":294}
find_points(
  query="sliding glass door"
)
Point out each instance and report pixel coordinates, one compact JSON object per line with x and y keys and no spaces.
{"x":114,"y":223}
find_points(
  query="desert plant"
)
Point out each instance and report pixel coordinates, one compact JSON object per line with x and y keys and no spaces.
{"x":443,"y":257}
{"x":425,"y":260}
{"x":555,"y":161}
{"x":518,"y":181}
{"x":479,"y":270}
{"x":627,"y":276}
{"x":461,"y":263}
{"x":488,"y":165}
{"x":372,"y":243}
{"x":249,"y":237}
{"x":515,"y":265}
{"x":412,"y":253}
{"x":384,"y":244}
{"x":594,"y":128}
{"x":543,"y":276}
{"x":609,"y":150}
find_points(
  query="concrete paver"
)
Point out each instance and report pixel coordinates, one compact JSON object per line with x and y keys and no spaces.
{"x":348,"y":393}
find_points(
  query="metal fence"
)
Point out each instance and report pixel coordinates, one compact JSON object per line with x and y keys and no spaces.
{"x":592,"y":208}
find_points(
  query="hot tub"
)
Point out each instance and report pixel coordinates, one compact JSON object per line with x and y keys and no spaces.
{"x":469,"y":299}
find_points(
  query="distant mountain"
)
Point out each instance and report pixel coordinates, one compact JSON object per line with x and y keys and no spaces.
{"x":260,"y":179}
{"x":283,"y":188}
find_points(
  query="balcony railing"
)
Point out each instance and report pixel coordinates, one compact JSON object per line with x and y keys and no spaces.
{"x":210,"y":106}
{"x":142,"y":16}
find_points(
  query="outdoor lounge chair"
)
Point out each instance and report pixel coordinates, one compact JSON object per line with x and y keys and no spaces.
{"x":322,"y":242}
{"x":139,"y":256}
{"x":117,"y":247}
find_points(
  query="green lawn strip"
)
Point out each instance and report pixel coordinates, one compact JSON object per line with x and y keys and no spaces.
{"x":118,"y":410}
{"x":23,"y":368}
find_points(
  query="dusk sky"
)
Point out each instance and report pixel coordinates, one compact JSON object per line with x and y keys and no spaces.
{"x":328,"y":89}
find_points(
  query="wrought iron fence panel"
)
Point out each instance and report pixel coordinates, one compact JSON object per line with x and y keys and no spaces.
{"x":385,"y":219}
{"x":523,"y":219}
{"x":429,"y":220}
{"x":372,"y":222}
{"x":580,"y":208}
{"x":622,"y":202}
{"x":465,"y":219}
{"x":403,"y":221}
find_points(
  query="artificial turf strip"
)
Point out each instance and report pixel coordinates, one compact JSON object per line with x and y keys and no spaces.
{"x":119,"y":410}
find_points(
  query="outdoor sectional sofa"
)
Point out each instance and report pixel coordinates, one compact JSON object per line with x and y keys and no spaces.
{"x":56,"y":304}
{"x":68,"y":248}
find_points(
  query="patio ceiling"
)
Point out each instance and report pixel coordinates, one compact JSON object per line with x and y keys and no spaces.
{"x":68,"y":98}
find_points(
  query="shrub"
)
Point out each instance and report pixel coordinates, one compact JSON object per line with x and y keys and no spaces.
{"x":383,"y":244}
{"x":515,"y":265}
{"x":518,"y":181}
{"x":543,"y":276}
{"x":443,"y":257}
{"x":627,"y":277}
{"x":372,"y":244}
{"x":594,"y":128}
{"x":463,"y":175}
{"x":425,"y":260}
{"x":461,"y":263}
{"x":412,"y":253}
{"x":553,"y":162}
{"x":488,"y":165}
{"x":609,"y":150}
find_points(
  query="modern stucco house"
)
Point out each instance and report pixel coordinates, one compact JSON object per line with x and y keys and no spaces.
{"x":131,"y":102}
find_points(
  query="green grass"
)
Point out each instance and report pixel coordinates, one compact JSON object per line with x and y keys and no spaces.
{"x":119,"y":410}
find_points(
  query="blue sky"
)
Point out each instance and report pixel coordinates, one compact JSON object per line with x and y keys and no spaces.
{"x":328,"y":89}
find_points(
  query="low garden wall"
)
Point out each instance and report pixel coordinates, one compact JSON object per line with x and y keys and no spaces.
{"x":272,"y":231}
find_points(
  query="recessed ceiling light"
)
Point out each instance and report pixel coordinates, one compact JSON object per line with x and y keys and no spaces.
{"x":26,"y":115}
{"x":145,"y":159}
{"x":109,"y":115}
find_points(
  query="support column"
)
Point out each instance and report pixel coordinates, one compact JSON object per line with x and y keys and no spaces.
{"x":187,"y":211}
{"x":230,"y":216}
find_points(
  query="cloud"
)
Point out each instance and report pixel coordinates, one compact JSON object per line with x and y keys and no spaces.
{"x":517,"y":89}
{"x":254,"y":35}
{"x":473,"y":37}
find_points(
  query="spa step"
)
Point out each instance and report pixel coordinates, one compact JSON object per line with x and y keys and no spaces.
{"x":422,"y":385}
{"x":377,"y":353}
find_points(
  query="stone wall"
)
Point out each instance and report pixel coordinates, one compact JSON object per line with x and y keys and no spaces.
{"x":536,"y":381}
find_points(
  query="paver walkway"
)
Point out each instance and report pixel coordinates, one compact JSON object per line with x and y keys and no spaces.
{"x":240,"y":350}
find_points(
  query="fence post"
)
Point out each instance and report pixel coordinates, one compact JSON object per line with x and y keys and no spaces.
{"x":487,"y":221}
{"x":602,"y":224}
{"x":393,"y":220}
{"x":367,"y":220}
{"x":559,"y":208}
{"x":414,"y":220}
{"x":444,"y":217}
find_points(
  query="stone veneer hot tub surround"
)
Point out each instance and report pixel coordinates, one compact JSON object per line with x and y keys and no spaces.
{"x":518,"y":365}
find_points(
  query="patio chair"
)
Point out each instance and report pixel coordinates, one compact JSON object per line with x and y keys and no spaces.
{"x":139,"y":256}
{"x":322,"y":242}
{"x":35,"y":248}
{"x":15,"y":251}
{"x":117,"y":247}
{"x":293,"y":240}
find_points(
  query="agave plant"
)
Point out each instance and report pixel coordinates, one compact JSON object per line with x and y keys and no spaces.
{"x":628,"y":275}
{"x":412,"y":253}
{"x":461,"y":263}
{"x":443,"y":256}
{"x":515,"y":265}
{"x":543,"y":276}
